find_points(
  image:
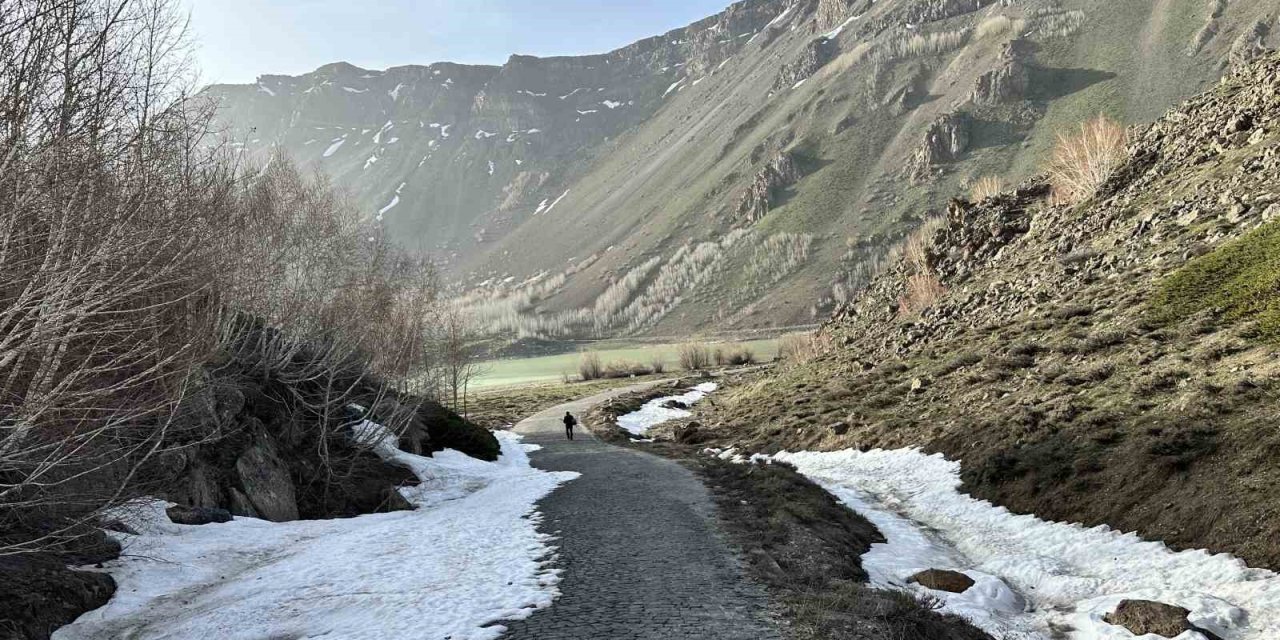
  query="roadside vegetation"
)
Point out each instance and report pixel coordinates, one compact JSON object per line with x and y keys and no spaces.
{"x":172,"y":316}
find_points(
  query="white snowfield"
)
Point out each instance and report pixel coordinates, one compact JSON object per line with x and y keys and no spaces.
{"x":652,"y":413}
{"x":467,"y":557}
{"x":1032,"y":575}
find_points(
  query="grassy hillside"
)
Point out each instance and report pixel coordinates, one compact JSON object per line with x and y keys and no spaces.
{"x":1111,"y":361}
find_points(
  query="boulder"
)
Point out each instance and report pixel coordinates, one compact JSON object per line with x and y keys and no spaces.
{"x":448,"y":430}
{"x":39,"y":594}
{"x":674,"y":404}
{"x":241,"y":506}
{"x":1143,"y":617}
{"x":266,"y":481}
{"x":690,"y":433}
{"x":393,"y":500}
{"x":942,"y":580}
{"x":183,"y":514}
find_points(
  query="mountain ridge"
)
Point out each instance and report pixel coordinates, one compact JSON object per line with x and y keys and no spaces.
{"x":765,"y":157}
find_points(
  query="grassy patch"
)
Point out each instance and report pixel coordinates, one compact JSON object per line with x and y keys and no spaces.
{"x":1240,"y":280}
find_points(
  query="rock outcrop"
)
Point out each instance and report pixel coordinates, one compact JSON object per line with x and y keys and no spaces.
{"x":779,"y":173}
{"x":266,"y":481}
{"x":1009,"y":81}
{"x":810,"y":59}
{"x":946,"y":139}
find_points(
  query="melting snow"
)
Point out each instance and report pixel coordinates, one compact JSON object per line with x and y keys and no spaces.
{"x":333,"y":148}
{"x":672,"y":87}
{"x":395,"y":200}
{"x":470,"y":555}
{"x":571,"y":93}
{"x":542,"y":206}
{"x":1067,"y":574}
{"x":482,"y":134}
{"x":834,"y":33}
{"x":377,"y":137}
{"x":491,"y":167}
{"x":611,"y":104}
{"x":351,"y":90}
{"x":553,"y":204}
{"x":581,"y":112}
{"x":265,"y":90}
{"x":369,"y":162}
{"x":532,"y":94}
{"x":653,"y":413}
{"x":395,"y":93}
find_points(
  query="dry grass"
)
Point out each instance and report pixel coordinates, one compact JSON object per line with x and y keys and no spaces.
{"x":1000,"y":25}
{"x":923,"y":290}
{"x":986,"y":187}
{"x":917,"y":245}
{"x":798,"y":348}
{"x":1082,"y":162}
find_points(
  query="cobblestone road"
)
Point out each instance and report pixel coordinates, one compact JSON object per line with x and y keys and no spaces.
{"x":641,"y":554}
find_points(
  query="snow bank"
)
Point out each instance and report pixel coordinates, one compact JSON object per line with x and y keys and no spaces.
{"x":1032,"y":575}
{"x":333,"y":148}
{"x":468,"y":556}
{"x":653,"y":413}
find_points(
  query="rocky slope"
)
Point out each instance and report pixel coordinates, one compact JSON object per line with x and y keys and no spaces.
{"x":741,"y":172}
{"x":1109,"y":362}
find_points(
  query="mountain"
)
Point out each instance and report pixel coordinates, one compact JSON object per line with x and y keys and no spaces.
{"x":746,"y":171}
{"x":1107,"y":362}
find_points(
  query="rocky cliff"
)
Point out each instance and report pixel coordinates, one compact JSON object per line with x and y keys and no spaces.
{"x":565,"y":190}
{"x":1111,"y":361}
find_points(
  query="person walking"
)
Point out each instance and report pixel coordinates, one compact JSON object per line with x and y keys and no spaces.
{"x":569,"y":422}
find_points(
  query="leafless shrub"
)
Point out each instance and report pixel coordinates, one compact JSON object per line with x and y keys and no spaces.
{"x":919,"y":243}
{"x":590,"y":367}
{"x":740,"y":355}
{"x":658,"y":364}
{"x":625,"y":369}
{"x":694,"y":356}
{"x":999,"y":25}
{"x":922,"y":291}
{"x":798,"y":348}
{"x":131,"y":255}
{"x":1084,"y":161}
{"x":986,"y":187}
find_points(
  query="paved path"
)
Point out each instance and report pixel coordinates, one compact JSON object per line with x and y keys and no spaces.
{"x":641,"y":554}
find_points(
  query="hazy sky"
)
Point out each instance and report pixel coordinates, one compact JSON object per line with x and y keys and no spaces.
{"x":240,"y":39}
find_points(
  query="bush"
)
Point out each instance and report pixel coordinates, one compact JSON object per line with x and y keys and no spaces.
{"x":986,"y":187}
{"x":590,"y":367}
{"x":923,"y":290}
{"x":741,"y":355}
{"x":624,"y":369}
{"x":694,"y":356}
{"x":657,"y":364}
{"x":797,"y":348}
{"x":1082,"y":162}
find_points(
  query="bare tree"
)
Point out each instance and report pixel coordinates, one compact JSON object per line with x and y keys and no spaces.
{"x":455,"y":345}
{"x":133,"y":250}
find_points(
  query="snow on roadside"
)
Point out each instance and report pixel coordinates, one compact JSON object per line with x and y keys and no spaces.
{"x":652,"y":413}
{"x":1069,"y":575}
{"x":467,"y":557}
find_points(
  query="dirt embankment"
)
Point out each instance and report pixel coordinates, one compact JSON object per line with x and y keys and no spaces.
{"x":1108,"y":362}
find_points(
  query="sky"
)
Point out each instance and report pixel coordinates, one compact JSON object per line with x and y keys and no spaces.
{"x":238,"y":40}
